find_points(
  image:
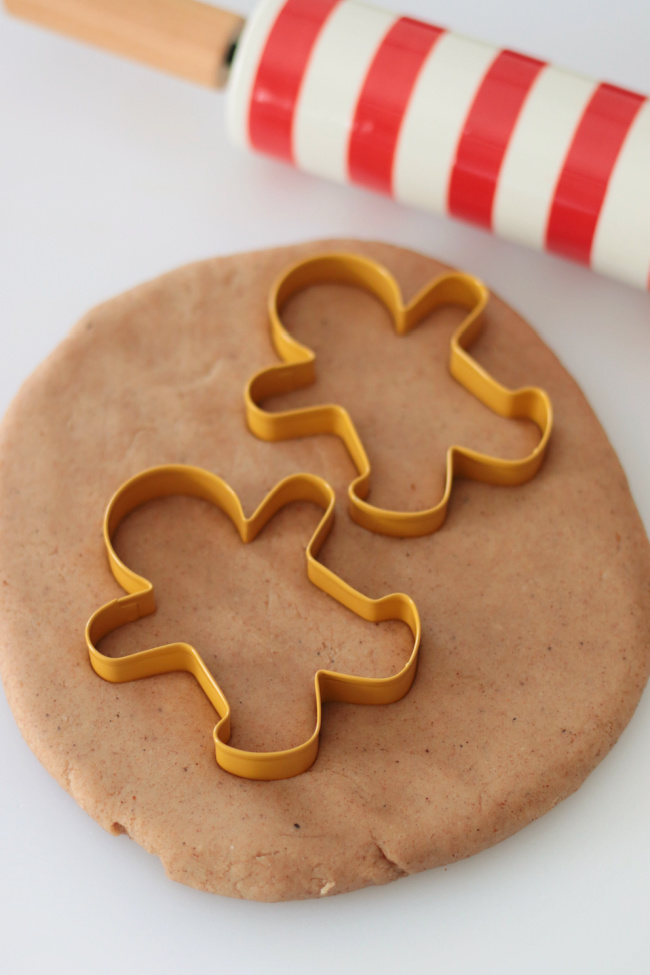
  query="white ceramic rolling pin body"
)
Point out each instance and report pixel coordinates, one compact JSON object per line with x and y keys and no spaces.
{"x":450,"y":125}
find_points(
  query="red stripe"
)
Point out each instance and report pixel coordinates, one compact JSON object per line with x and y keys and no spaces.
{"x":383,"y":101}
{"x":582,"y":185}
{"x":280,"y":73}
{"x":488,"y":128}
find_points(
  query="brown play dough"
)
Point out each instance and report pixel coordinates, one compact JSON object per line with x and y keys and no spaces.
{"x":535,"y":600}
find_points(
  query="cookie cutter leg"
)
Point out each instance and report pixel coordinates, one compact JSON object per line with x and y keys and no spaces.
{"x":178,"y":479}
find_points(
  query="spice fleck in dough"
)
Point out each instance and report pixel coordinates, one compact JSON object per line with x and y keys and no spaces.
{"x":535,"y":600}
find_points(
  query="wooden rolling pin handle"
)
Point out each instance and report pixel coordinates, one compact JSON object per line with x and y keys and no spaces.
{"x":184,"y":37}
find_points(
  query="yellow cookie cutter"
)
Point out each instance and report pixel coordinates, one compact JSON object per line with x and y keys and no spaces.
{"x":179,"y":479}
{"x":297,"y":371}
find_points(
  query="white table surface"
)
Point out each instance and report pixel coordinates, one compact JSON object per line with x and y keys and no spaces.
{"x":110,"y":174}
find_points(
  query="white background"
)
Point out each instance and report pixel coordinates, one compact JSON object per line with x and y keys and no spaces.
{"x":111,"y":174}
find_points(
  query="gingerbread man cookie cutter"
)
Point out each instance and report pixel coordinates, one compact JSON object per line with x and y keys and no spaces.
{"x":179,"y":479}
{"x":298,"y":370}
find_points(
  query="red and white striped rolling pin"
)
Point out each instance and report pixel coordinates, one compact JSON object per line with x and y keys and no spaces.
{"x":358,"y":94}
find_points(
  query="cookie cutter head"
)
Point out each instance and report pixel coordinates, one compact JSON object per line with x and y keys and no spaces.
{"x":297,"y":370}
{"x":178,"y":479}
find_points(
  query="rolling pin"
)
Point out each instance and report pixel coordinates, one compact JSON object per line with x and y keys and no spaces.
{"x":447,"y":124}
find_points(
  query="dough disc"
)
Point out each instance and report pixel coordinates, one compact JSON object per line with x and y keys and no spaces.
{"x":535,"y":600}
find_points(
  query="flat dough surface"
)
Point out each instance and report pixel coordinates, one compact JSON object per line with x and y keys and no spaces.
{"x":535,"y":600}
